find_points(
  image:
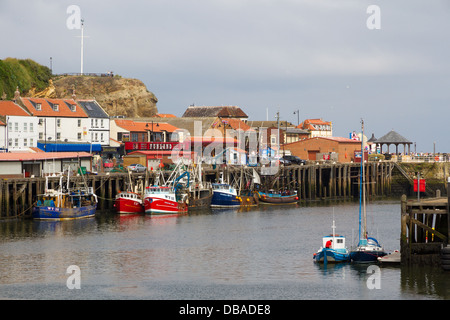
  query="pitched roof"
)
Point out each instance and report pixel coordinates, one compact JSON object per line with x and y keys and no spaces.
{"x":9,"y":108}
{"x":165,"y":115}
{"x":336,"y":139}
{"x":92,"y":108}
{"x":310,"y":123}
{"x":392,"y":137}
{"x":65,"y":108}
{"x":215,"y":111}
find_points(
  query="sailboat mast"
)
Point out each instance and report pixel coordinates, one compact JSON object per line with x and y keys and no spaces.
{"x":364,"y":182}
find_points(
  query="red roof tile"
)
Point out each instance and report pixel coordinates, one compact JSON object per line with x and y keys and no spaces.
{"x":47,"y":110}
{"x":9,"y":108}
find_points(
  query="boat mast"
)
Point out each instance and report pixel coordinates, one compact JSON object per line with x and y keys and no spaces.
{"x":362,"y":190}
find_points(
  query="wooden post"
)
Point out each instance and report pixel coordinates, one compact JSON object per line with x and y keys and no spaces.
{"x":448,"y":210}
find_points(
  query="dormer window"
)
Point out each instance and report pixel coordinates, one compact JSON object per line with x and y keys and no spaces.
{"x":56,"y":107}
{"x":38,"y":106}
{"x":73,"y":107}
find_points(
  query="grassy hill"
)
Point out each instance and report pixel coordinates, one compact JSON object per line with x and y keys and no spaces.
{"x":24,"y":74}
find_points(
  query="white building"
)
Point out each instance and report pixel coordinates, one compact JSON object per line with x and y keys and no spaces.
{"x":19,"y":129}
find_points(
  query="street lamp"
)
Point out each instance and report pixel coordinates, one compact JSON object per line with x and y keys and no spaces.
{"x":298,"y":117}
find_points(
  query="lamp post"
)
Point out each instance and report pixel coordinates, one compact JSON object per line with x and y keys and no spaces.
{"x":298,"y":117}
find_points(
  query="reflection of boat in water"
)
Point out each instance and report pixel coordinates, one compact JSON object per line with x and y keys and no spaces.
{"x":333,"y":249}
{"x":270,"y":197}
{"x":65,"y":203}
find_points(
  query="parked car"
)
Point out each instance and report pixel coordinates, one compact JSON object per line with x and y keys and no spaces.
{"x":294,"y":159}
{"x":284,"y":162}
{"x":136,"y":167}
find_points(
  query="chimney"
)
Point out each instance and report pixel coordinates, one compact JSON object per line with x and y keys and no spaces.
{"x":17,"y":94}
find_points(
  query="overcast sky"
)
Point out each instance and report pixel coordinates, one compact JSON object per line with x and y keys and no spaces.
{"x":316,"y":56}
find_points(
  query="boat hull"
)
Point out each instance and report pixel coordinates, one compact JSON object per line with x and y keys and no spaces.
{"x":270,"y":198}
{"x":330,"y":255}
{"x":128,"y":206}
{"x":156,"y":206}
{"x":224,"y":200}
{"x":200,"y":200}
{"x":364,"y":256}
{"x":56,"y":213}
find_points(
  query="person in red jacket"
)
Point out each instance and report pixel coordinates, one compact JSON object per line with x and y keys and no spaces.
{"x":328,"y":244}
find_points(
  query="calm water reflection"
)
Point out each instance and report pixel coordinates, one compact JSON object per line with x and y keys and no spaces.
{"x":263,"y":253}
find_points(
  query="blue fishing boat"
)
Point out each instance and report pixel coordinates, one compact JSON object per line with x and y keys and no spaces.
{"x":368,"y":248}
{"x":65,"y":203}
{"x":224,"y":196}
{"x":333,"y":249}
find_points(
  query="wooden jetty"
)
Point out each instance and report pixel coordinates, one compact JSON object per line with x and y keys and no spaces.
{"x":316,"y":181}
{"x":425,"y":229}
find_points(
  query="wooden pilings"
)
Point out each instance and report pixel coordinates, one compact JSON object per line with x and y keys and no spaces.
{"x":424,"y":230}
{"x":312,"y":182}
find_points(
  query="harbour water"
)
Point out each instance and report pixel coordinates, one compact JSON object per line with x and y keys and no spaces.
{"x":259,"y":253}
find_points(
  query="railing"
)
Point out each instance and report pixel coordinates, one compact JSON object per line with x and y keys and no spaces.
{"x":422,"y":158}
{"x":108,"y":74}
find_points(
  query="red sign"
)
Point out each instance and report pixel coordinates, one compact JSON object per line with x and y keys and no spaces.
{"x":421,"y":183}
{"x":150,"y":146}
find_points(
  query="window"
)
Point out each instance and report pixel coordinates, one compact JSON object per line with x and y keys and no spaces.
{"x":56,"y":107}
{"x":31,"y":127}
{"x":79,"y":123}
{"x":41,"y":135}
{"x":10,"y":142}
{"x":31,"y":142}
{"x":16,"y":142}
{"x":25,"y":142}
{"x":10,"y":126}
{"x":96,"y":136}
{"x":58,"y":123}
{"x":73,"y":107}
{"x":101,"y":137}
{"x":134,"y":137}
{"x":96,"y":123}
{"x":16,"y":126}
{"x":101,"y":123}
{"x":38,"y":106}
{"x":79,"y":135}
{"x":58,"y":136}
{"x":25,"y":127}
{"x":41,"y":121}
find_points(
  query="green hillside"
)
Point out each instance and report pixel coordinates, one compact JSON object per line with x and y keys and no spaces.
{"x":24,"y":74}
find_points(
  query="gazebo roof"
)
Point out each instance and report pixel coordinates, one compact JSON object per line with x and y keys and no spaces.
{"x":393,"y":138}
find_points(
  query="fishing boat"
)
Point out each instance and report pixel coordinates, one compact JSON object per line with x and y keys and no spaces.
{"x":333,"y":249}
{"x":129,"y":201}
{"x":224,"y":196}
{"x":164,"y":200}
{"x":368,"y":248}
{"x":199,"y":193}
{"x":287,"y":197}
{"x":169,"y":197}
{"x":65,"y":202}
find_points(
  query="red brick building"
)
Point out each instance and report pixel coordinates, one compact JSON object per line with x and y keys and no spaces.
{"x":308,"y":149}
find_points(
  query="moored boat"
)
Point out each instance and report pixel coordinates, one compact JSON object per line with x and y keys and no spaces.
{"x":288,"y":197}
{"x":368,"y":249}
{"x":164,"y":200}
{"x":333,"y":249}
{"x":65,"y":203}
{"x":224,"y":196}
{"x":128,"y":202}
